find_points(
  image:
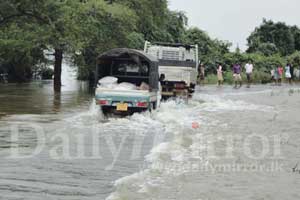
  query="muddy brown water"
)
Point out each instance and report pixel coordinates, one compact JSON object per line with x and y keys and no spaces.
{"x":85,"y":156}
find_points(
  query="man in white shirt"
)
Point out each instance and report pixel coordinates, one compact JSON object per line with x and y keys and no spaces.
{"x":249,"y":70}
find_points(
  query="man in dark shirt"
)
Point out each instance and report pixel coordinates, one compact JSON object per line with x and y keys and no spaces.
{"x":237,"y":75}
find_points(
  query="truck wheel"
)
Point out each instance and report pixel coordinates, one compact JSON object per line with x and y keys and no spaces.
{"x":105,"y":110}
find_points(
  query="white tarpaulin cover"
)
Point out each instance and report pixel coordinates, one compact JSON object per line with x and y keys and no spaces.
{"x":111,"y":82}
{"x":108,"y":80}
{"x":126,"y":86}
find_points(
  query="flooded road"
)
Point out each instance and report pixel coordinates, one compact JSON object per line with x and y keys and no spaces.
{"x":223,"y":144}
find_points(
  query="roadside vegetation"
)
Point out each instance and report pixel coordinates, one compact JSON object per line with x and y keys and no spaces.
{"x":37,"y":34}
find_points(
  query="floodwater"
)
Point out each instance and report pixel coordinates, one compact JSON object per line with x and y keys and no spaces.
{"x":223,"y":144}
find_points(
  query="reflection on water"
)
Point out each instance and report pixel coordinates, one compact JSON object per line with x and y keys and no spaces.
{"x":38,"y":97}
{"x":56,"y":101}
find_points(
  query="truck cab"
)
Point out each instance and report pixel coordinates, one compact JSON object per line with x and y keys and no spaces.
{"x":178,"y":67}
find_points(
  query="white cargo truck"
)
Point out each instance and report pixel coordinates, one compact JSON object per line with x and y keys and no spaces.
{"x":178,"y":67}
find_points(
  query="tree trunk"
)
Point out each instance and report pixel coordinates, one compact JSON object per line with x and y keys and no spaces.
{"x":58,"y":54}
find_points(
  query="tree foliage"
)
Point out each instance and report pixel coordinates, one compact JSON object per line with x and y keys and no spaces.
{"x":210,"y":51}
{"x":83,"y":29}
{"x":294,"y":59}
{"x":61,"y":26}
{"x":19,"y":52}
{"x":133,"y":22}
{"x":283,"y":38}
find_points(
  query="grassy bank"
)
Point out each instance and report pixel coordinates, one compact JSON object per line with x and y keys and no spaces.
{"x":257,"y":78}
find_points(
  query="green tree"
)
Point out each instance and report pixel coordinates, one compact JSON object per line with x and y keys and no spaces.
{"x":210,"y":51}
{"x":136,"y":40}
{"x":68,"y":27}
{"x":151,"y":16}
{"x":175,"y":27}
{"x":134,"y":22}
{"x":294,"y":59}
{"x":296,"y":32}
{"x":52,"y":24}
{"x":279,"y":34}
{"x":267,"y":49}
{"x":106,"y":26}
{"x":19,"y":52}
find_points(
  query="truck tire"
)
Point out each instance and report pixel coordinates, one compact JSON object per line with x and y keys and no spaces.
{"x":105,"y":110}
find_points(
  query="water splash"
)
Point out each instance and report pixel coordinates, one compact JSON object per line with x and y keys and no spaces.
{"x":165,"y":161}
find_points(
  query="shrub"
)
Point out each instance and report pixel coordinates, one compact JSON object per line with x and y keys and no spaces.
{"x":47,"y":73}
{"x":211,"y":79}
{"x":228,"y":77}
{"x":294,"y":59}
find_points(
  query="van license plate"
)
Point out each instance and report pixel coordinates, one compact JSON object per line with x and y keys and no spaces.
{"x":122,"y":107}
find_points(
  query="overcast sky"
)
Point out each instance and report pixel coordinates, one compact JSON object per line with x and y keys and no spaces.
{"x":234,"y":20}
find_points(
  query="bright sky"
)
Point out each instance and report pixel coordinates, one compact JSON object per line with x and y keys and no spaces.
{"x":234,"y":20}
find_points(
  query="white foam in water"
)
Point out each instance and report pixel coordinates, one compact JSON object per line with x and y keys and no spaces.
{"x":177,"y":119}
{"x":215,"y":103}
{"x":160,"y":174}
{"x":92,"y":116}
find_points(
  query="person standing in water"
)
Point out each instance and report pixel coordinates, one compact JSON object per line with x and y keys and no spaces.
{"x":237,"y":75}
{"x":201,"y":74}
{"x":249,"y":70}
{"x":220,"y":75}
{"x":273,"y":76}
{"x":292,"y":72}
{"x":280,"y":73}
{"x":288,"y":75}
{"x":276,"y":75}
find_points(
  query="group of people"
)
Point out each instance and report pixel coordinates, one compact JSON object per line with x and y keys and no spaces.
{"x":288,"y":71}
{"x":237,"y":74}
{"x":276,"y":74}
